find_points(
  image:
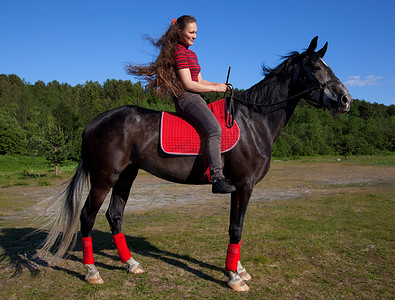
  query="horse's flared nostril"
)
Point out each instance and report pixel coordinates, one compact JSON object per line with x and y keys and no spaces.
{"x":345,"y":100}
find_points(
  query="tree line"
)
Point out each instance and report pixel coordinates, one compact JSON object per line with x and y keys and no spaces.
{"x":48,"y":119}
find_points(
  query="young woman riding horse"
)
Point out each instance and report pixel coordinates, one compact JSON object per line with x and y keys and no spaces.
{"x":119,"y":142}
{"x":177,"y":70}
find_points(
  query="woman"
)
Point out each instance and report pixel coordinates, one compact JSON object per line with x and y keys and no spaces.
{"x":177,"y":71}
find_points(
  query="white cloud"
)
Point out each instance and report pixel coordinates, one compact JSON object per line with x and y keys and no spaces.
{"x":358,"y":81}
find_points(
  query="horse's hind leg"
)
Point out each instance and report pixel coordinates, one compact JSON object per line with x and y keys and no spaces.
{"x":114,"y":214}
{"x":95,"y":199}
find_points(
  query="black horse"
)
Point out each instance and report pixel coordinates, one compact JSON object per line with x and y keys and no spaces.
{"x":119,"y":142}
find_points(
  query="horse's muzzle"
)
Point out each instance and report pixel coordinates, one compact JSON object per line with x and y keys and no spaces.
{"x":344,"y":104}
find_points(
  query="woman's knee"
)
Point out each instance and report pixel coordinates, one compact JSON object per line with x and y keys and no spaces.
{"x":215,"y":131}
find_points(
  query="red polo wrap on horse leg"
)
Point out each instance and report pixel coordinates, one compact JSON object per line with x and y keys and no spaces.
{"x":123,"y":250}
{"x":87,"y":251}
{"x":232,"y":257}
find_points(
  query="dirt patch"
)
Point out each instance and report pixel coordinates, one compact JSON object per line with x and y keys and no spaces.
{"x":284,"y":181}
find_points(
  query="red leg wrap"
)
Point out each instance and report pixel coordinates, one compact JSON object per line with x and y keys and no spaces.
{"x":87,"y":251}
{"x":232,"y":257}
{"x":123,"y":250}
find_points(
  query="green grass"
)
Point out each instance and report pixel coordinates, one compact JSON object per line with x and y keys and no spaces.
{"x":336,"y":246}
{"x":26,"y":170}
{"x":373,"y":160}
{"x":32,"y":165}
{"x":320,"y":247}
{"x":10,"y":163}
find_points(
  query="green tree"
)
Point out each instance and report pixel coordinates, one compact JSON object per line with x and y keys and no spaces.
{"x":12,"y":136}
{"x":57,"y":150}
{"x":346,"y":146}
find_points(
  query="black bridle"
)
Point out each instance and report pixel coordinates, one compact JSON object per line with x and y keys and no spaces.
{"x":229,"y":118}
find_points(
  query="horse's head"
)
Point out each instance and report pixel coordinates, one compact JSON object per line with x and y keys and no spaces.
{"x":326,"y":89}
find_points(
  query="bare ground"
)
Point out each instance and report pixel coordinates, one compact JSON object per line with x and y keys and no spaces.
{"x":285,"y":180}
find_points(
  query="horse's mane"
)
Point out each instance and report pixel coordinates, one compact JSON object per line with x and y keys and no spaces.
{"x":269,"y":72}
{"x":265,"y":91}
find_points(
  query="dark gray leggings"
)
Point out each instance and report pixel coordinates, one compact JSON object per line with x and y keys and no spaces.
{"x":194,"y":109}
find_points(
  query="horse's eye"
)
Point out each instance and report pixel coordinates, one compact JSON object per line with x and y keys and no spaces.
{"x":312,"y":66}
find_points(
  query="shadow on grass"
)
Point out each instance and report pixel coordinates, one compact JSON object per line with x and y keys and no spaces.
{"x":20,"y":246}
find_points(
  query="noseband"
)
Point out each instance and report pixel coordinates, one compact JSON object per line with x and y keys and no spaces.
{"x":321,"y":87}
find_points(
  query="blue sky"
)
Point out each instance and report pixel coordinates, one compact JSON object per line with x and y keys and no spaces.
{"x":78,"y":41}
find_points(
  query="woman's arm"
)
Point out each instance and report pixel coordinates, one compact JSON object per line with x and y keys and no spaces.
{"x":202,"y":81}
{"x":202,"y":86}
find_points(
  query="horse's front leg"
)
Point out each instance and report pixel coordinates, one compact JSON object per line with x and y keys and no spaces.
{"x":114,"y":216}
{"x":233,"y":267}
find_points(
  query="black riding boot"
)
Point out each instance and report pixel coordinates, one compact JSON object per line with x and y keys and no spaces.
{"x":223,"y":186}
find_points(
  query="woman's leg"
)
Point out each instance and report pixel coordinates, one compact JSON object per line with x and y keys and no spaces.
{"x":195,"y":109}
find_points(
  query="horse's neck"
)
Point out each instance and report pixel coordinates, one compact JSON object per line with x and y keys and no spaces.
{"x":280,"y":119}
{"x":275,"y":116}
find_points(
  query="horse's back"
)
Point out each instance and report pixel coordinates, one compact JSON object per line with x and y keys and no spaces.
{"x":115,"y":134}
{"x":121,"y":114}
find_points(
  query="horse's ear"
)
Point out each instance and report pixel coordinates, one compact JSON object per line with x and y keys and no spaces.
{"x":313,"y":45}
{"x":322,"y":51}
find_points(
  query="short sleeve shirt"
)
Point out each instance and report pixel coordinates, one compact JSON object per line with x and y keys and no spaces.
{"x":187,"y":59}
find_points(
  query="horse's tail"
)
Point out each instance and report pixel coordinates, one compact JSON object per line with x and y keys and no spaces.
{"x":63,"y":214}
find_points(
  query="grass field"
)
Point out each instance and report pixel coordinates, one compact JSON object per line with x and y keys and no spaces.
{"x":334,"y":240}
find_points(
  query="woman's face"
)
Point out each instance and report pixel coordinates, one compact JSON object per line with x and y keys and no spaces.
{"x":188,"y":34}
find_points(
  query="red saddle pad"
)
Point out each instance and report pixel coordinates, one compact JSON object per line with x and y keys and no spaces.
{"x":178,"y":136}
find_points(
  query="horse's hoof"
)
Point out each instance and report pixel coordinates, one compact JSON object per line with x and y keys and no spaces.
{"x":239,"y":287}
{"x":244,"y":275}
{"x":134,"y":267}
{"x":236,"y":283}
{"x":93,"y":276}
{"x":137,"y":270}
{"x":95,"y":279}
{"x":242,"y":272}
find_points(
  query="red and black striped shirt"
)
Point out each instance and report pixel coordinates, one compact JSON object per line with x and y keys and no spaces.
{"x":187,"y":59}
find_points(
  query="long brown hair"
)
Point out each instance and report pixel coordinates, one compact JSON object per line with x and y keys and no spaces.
{"x":161,"y":74}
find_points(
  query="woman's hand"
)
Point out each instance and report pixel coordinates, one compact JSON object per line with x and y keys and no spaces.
{"x":221,"y":87}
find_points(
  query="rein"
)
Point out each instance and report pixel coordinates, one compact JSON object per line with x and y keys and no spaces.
{"x":229,"y":118}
